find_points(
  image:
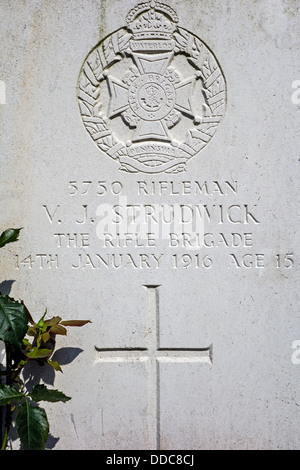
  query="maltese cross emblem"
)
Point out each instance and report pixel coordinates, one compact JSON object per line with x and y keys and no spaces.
{"x":151,"y":95}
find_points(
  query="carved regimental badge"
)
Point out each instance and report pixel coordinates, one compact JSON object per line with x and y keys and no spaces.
{"x":152,"y":94}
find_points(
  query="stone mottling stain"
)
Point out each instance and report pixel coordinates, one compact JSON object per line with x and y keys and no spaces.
{"x":102,"y":19}
{"x":25,"y":118}
{"x":253,"y":323}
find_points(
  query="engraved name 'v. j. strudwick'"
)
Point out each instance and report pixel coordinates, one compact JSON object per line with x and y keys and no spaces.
{"x":151,"y":95}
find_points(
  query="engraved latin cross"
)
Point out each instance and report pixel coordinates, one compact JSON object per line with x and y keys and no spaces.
{"x":153,"y":355}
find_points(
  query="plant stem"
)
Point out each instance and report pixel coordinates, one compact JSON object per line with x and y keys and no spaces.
{"x":8,"y":411}
{"x":1,"y":420}
{"x":5,"y":439}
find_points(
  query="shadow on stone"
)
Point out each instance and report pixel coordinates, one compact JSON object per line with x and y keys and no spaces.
{"x":66,"y":355}
{"x":5,"y":286}
{"x":15,"y":444}
{"x":51,"y":443}
{"x":35,"y":371}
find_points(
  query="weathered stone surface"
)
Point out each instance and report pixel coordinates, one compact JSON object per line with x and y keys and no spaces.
{"x":152,"y":158}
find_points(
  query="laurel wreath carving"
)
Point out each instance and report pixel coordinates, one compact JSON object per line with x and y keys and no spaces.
{"x":113,"y":49}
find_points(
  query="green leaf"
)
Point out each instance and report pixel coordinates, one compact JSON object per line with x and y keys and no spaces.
{"x":8,"y":393}
{"x":45,"y":337}
{"x":32,"y":427}
{"x":37,"y":353}
{"x":58,"y":330}
{"x":41,"y":322}
{"x":10,"y":235}
{"x":26,"y":343}
{"x":55,"y":365}
{"x":13,"y":321}
{"x":75,"y":322}
{"x":42,"y":393}
{"x":32,"y":331}
{"x":52,"y":321}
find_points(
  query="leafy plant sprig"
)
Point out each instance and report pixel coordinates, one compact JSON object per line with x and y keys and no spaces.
{"x":26,"y":341}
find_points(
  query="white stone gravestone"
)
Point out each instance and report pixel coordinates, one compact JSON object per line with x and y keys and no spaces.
{"x":150,"y":151}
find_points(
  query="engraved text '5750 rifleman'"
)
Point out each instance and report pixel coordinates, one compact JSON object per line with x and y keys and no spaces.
{"x":152,"y":94}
